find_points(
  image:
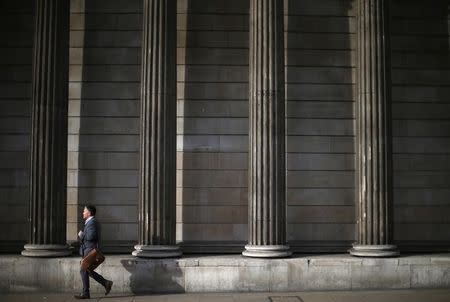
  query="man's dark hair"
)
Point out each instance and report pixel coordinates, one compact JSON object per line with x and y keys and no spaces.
{"x":91,"y":208}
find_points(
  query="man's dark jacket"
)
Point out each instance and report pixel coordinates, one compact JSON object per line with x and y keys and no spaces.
{"x":90,"y":237}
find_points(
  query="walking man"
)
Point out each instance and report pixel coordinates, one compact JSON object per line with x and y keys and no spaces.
{"x":90,"y":238}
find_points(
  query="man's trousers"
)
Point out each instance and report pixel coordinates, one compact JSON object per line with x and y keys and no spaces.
{"x":85,"y":278}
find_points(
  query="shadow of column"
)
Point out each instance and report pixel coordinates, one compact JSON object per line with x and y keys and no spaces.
{"x":320,"y":64}
{"x":154,"y":275}
{"x":212,"y":127}
{"x":16,"y":53}
{"x":104,"y":117}
{"x":421,"y":124}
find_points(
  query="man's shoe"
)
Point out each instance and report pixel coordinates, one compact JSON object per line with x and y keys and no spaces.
{"x":82,"y":296}
{"x":108,"y":286}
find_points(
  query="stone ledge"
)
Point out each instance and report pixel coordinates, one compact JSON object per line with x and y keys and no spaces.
{"x":229,"y":273}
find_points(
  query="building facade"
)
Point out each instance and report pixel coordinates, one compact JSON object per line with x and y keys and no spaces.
{"x":367,"y":124}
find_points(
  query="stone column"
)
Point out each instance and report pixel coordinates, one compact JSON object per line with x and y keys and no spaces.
{"x":374,"y":133}
{"x":267,"y":168}
{"x":48,"y":175}
{"x":157,"y":185}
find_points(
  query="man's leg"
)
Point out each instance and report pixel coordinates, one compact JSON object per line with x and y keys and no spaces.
{"x":85,"y":279}
{"x":107,"y":284}
{"x":97,"y":277}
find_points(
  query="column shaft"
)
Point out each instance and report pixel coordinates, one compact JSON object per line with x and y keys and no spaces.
{"x":48,"y":175}
{"x":157,"y":185}
{"x":267,"y":181}
{"x":374,"y":133}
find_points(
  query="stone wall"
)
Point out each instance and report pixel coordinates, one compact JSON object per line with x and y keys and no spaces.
{"x":16,"y":46}
{"x":212,"y":140}
{"x":421,"y":123}
{"x":232,"y":273}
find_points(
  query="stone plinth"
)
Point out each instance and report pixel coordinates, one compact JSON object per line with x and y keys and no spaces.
{"x":232,"y":273}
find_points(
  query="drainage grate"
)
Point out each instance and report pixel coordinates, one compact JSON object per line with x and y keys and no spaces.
{"x":285,"y":299}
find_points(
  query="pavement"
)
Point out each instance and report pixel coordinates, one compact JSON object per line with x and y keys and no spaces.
{"x":419,"y":295}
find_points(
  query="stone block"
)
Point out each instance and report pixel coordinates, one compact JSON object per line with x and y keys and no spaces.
{"x":425,"y":145}
{"x":307,"y":109}
{"x":214,"y":6}
{"x":391,"y":262}
{"x":211,"y":126}
{"x":212,"y":232}
{"x":320,"y":214}
{"x":15,"y":142}
{"x":212,"y":161}
{"x":422,"y":232}
{"x":413,"y":93}
{"x":442,"y":259}
{"x":19,"y":125}
{"x":319,"y":144}
{"x":105,"y":39}
{"x":436,"y":162}
{"x":205,"y":73}
{"x":320,"y":196}
{"x":319,"y":92}
{"x":343,"y":127}
{"x":297,"y":272}
{"x":119,"y":231}
{"x":321,"y":231}
{"x":102,"y":195}
{"x":319,"y":24}
{"x":414,"y":260}
{"x":333,"y":277}
{"x":153,"y":275}
{"x":212,"y":178}
{"x":211,"y":279}
{"x":208,"y":108}
{"x":225,"y":22}
{"x":188,"y":262}
{"x":430,"y":276}
{"x":207,"y":91}
{"x":99,"y":90}
{"x":341,"y":260}
{"x":324,"y":8}
{"x":212,"y":214}
{"x":104,"y":55}
{"x":322,"y":57}
{"x":317,"y":179}
{"x":337,"y":41}
{"x":212,"y":56}
{"x":211,"y":196}
{"x":254,"y":278}
{"x":380,"y":276}
{"x":300,"y":161}
{"x":279,"y":275}
{"x":103,"y":178}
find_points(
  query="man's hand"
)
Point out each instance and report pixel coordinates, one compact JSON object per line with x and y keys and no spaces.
{"x":80,"y":233}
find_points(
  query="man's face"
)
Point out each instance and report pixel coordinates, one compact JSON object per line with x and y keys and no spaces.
{"x":86,"y":213}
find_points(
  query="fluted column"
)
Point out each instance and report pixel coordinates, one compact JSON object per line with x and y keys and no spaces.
{"x":157,"y":214}
{"x":48,"y":173}
{"x":267,"y":181}
{"x":374,"y":133}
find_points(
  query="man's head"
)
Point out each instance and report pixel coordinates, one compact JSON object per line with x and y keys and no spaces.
{"x":89,"y":210}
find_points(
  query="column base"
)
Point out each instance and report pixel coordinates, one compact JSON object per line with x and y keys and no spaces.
{"x":267,"y":251}
{"x":46,"y":250}
{"x":157,"y":251}
{"x":372,"y":250}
